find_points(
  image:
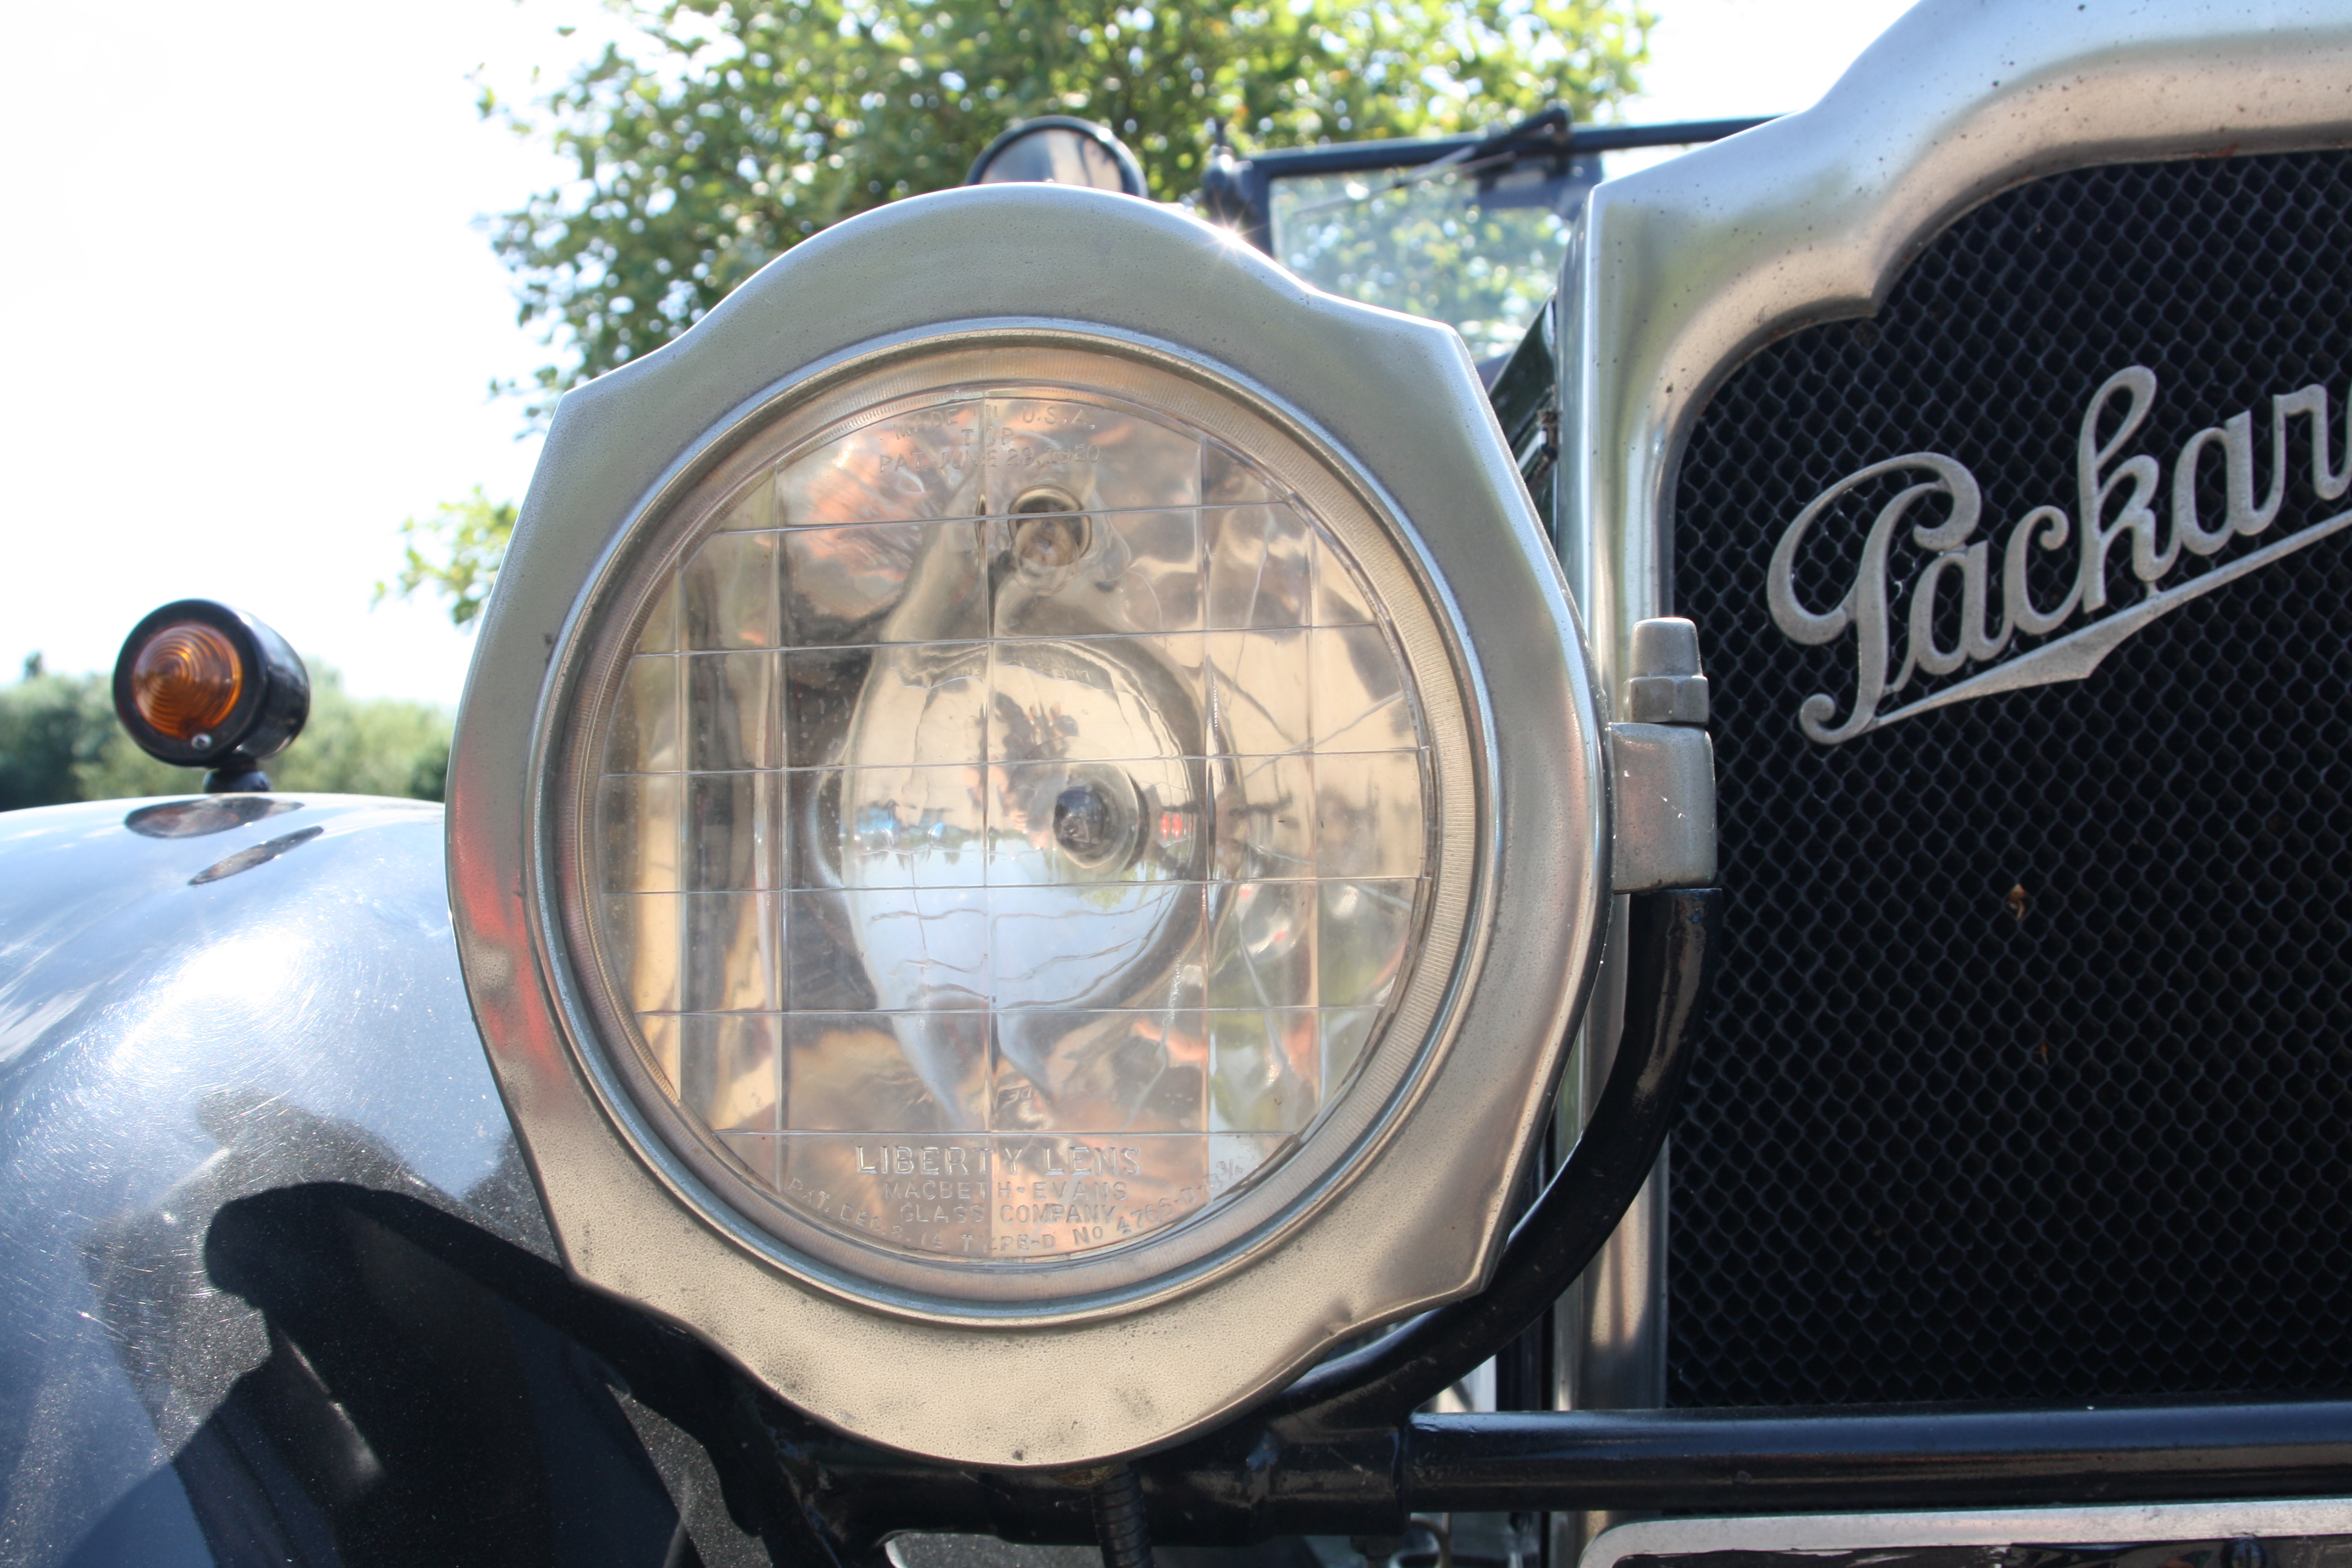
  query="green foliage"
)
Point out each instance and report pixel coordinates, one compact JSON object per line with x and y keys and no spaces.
{"x":738,"y":130}
{"x":51,"y":728}
{"x":463,"y":544}
{"x":120,"y":771}
{"x":59,"y":741}
{"x":379,"y":746}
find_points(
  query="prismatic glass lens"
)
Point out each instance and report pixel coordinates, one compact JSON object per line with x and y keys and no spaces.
{"x":1010,"y":826}
{"x":187,"y":680}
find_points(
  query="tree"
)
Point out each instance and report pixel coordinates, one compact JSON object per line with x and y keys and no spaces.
{"x":744,"y":130}
{"x":51,"y":728}
{"x":741,"y":127}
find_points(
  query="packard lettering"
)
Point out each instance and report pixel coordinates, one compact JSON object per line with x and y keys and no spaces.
{"x":2116,"y":518}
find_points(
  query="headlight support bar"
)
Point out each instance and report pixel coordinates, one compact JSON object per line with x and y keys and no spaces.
{"x":1716,"y":1462}
{"x":1671,"y":946}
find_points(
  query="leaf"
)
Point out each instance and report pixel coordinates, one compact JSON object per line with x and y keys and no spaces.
{"x":456,"y":553}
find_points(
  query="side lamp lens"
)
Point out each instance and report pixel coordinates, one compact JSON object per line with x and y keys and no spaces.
{"x":185,"y":683}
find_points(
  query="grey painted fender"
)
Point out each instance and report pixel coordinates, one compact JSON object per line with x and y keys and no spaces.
{"x":201,"y":1000}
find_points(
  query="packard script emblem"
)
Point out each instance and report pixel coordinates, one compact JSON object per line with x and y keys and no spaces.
{"x":2116,"y":499}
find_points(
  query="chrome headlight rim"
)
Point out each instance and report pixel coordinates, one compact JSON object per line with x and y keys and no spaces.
{"x":1417,"y":1024}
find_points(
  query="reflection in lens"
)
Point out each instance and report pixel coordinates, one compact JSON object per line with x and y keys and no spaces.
{"x":1083,"y":823}
{"x":1013,"y":825}
{"x":1046,"y":544}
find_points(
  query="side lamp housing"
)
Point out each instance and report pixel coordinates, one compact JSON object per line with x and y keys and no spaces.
{"x":1059,"y":148}
{"x":201,"y":685}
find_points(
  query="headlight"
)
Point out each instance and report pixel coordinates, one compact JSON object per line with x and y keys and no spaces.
{"x":980,"y":823}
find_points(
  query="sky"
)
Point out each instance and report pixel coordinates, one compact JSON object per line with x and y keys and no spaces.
{"x":258,"y":311}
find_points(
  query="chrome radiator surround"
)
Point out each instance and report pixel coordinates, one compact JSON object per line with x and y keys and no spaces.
{"x":1686,"y":270}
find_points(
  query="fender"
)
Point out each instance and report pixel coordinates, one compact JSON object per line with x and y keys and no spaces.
{"x":201,"y":1001}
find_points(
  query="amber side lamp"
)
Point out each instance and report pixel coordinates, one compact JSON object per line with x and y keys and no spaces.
{"x":201,"y":685}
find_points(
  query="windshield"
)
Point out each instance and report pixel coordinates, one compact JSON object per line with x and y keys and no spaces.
{"x":1464,"y":243}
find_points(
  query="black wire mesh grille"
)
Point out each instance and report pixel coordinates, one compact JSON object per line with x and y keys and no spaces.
{"x":2029,"y":1072}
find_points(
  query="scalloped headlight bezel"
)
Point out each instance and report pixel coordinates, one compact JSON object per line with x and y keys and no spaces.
{"x":1408,"y":1210}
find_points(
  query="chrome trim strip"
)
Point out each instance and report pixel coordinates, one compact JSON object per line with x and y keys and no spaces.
{"x":1609,"y":1344}
{"x":2122,"y":1525}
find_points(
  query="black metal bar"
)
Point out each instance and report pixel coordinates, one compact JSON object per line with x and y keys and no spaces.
{"x":1119,"y":1522}
{"x":1671,"y":947}
{"x":1728,"y":1462}
{"x":1621,"y":138}
{"x":1404,"y":152}
{"x":1788,"y":1461}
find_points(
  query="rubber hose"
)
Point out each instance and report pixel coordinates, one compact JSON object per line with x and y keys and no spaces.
{"x":1119,"y":1523}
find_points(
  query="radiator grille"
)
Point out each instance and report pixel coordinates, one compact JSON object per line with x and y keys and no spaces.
{"x":2029,"y":1072}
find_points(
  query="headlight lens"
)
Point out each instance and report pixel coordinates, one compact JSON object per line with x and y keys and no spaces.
{"x":1010,"y":819}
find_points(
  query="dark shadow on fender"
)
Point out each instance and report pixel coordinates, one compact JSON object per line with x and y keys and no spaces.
{"x":412,"y":1407}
